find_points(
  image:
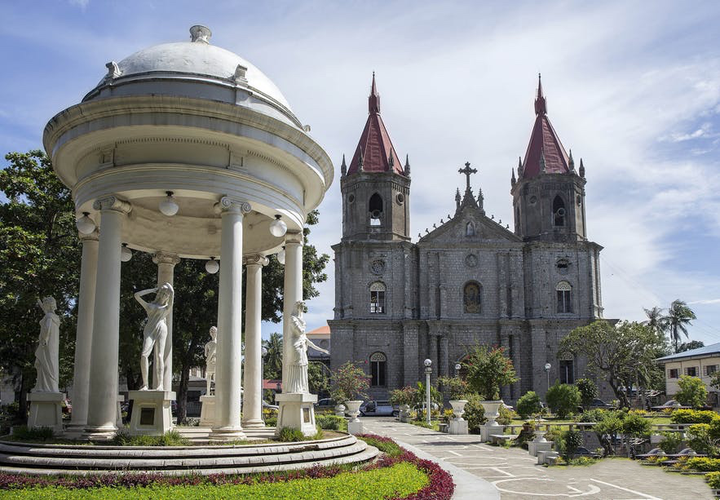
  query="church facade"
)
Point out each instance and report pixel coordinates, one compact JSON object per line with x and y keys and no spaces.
{"x":469,"y":281}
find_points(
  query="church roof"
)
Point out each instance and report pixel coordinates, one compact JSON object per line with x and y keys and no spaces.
{"x":323,"y":330}
{"x":545,"y":152}
{"x":375,"y":152}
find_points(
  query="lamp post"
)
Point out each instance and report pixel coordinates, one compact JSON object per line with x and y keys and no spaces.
{"x":428,"y":371}
{"x":547,"y":370}
{"x":458,"y":366}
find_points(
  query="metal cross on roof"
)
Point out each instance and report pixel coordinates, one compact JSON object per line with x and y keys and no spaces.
{"x":467,"y":171}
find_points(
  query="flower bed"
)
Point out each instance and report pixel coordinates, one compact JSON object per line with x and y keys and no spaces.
{"x":397,"y":474}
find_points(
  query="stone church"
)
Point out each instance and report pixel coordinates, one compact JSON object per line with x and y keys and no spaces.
{"x":470,"y":280}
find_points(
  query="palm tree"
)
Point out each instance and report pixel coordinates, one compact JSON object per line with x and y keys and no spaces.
{"x":678,"y":317}
{"x":273,"y":358}
{"x":656,"y":321}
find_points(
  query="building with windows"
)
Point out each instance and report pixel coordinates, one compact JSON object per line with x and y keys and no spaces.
{"x":702,"y":363}
{"x":471,"y":279}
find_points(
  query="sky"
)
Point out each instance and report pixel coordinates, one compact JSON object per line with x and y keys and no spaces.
{"x":633,"y":88}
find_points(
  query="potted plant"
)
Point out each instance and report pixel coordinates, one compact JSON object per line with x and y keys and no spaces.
{"x":403,"y":398}
{"x":349,"y":384}
{"x":456,"y":389}
{"x":488,"y":369}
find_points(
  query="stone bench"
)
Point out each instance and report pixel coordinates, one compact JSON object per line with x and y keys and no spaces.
{"x":547,"y":457}
{"x":443,"y":427}
{"x":502,"y":438}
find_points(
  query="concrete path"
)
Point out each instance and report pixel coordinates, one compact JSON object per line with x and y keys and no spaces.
{"x":514,"y":473}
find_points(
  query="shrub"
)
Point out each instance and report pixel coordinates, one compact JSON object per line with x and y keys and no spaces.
{"x":635,"y":425}
{"x":170,"y":438}
{"x":454,"y":387}
{"x":505,"y":415}
{"x":474,"y":414}
{"x":684,"y":416}
{"x":529,"y":404}
{"x":713,"y":479}
{"x":671,"y":442}
{"x":563,"y":399}
{"x":588,"y":391}
{"x":704,"y":464}
{"x":22,"y":433}
{"x":288,"y":434}
{"x":404,"y":396}
{"x":271,"y":422}
{"x":349,"y":382}
{"x":692,"y":392}
{"x":698,"y":438}
{"x":331,"y":422}
{"x":488,"y":370}
{"x":571,"y":440}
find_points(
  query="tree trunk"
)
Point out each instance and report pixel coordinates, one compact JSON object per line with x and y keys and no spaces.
{"x":182,"y":394}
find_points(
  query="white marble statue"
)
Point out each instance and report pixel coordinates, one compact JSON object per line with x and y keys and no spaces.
{"x":211,"y":358}
{"x":46,"y":355}
{"x":298,"y":363}
{"x":155,"y":332}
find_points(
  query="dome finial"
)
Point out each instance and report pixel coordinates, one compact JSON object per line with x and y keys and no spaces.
{"x":540,"y":105}
{"x":200,"y":33}
{"x":374,"y":98}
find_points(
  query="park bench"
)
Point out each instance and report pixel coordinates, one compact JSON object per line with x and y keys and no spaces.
{"x":502,"y":438}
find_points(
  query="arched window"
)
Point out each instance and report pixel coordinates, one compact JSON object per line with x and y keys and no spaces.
{"x":558,"y":212}
{"x":377,"y":298}
{"x":472,"y":293}
{"x":564,"y":297}
{"x":470,"y":229}
{"x":375,"y":207}
{"x":378,"y":369}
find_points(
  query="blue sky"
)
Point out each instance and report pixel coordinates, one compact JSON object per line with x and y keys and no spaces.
{"x":632,"y":87}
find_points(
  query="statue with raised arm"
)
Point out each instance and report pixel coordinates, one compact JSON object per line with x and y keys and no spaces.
{"x":211,"y":358}
{"x":155,"y":332}
{"x":298,"y":363}
{"x":46,"y":354}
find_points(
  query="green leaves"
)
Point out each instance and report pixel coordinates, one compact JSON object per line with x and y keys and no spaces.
{"x":488,"y":370}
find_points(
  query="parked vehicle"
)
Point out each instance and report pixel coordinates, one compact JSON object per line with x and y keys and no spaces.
{"x":268,"y":406}
{"x":599,"y":403}
{"x":672,"y":404}
{"x":378,"y":409}
{"x":325,"y":403}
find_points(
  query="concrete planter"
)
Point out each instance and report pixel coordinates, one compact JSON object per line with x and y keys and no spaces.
{"x":458,"y":406}
{"x":492,"y":411}
{"x":404,"y":415}
{"x":353,"y":409}
{"x":340,"y":410}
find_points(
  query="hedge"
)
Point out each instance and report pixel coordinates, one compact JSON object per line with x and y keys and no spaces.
{"x":693,"y":416}
{"x":704,"y":464}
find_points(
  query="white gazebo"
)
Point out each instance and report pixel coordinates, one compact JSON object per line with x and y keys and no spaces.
{"x":186,"y":151}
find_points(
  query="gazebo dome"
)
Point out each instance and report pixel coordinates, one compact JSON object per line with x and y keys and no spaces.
{"x":199,"y":70}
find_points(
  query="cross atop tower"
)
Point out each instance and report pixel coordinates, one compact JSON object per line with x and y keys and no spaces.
{"x":467,"y":171}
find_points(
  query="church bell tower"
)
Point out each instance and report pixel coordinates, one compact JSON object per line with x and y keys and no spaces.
{"x":376,"y":186}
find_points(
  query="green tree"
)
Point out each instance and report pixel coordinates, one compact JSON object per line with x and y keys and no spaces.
{"x":272,"y":367}
{"x":623,"y":354}
{"x":563,"y":399}
{"x":349,"y":382}
{"x":571,"y":441}
{"x":318,"y":378}
{"x":678,"y":318}
{"x":588,"y":391}
{"x":40,"y":256}
{"x":689,"y":346}
{"x":692,"y":392}
{"x":656,"y":320}
{"x":529,"y":404}
{"x":488,"y":370}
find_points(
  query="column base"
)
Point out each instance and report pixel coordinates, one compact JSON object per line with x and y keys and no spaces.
{"x":99,"y":433}
{"x":74,"y":430}
{"x":297,"y":411}
{"x":207,"y":411}
{"x":458,"y":427}
{"x":46,"y":410}
{"x":151,"y":412}
{"x":253,"y":424}
{"x":222,"y":434}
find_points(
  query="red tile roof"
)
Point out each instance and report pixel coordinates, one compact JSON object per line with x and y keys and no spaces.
{"x":375,"y":150}
{"x":545,"y":146}
{"x":323,"y":330}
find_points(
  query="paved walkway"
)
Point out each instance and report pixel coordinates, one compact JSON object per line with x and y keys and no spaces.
{"x":515,"y":473}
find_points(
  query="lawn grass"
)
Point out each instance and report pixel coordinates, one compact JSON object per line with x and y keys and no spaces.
{"x":397,"y":481}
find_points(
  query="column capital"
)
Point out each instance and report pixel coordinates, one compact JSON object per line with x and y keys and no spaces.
{"x":94,"y":236}
{"x":230,"y":205}
{"x":161,"y":257}
{"x":294,"y":237}
{"x":112,"y":203}
{"x":255,"y":260}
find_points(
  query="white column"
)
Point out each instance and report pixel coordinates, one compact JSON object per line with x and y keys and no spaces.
{"x":293,"y":291}
{"x":102,"y":401}
{"x":83,"y":336}
{"x":252,"y":400}
{"x":228,"y":377}
{"x":166,"y":266}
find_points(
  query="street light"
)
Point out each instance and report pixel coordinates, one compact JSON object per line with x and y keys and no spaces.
{"x":428,"y":371}
{"x":547,"y":370}
{"x":458,"y":366}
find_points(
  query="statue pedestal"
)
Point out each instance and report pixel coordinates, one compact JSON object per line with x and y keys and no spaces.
{"x":297,"y":412}
{"x":207,"y":411}
{"x":46,"y":410}
{"x":151,"y":412}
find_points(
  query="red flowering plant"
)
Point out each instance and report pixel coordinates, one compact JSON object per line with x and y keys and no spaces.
{"x":489,"y":369}
{"x":349,"y":382}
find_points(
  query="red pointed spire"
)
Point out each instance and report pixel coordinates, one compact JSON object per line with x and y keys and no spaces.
{"x":374,"y":98}
{"x":375,"y":152}
{"x":545,"y":153}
